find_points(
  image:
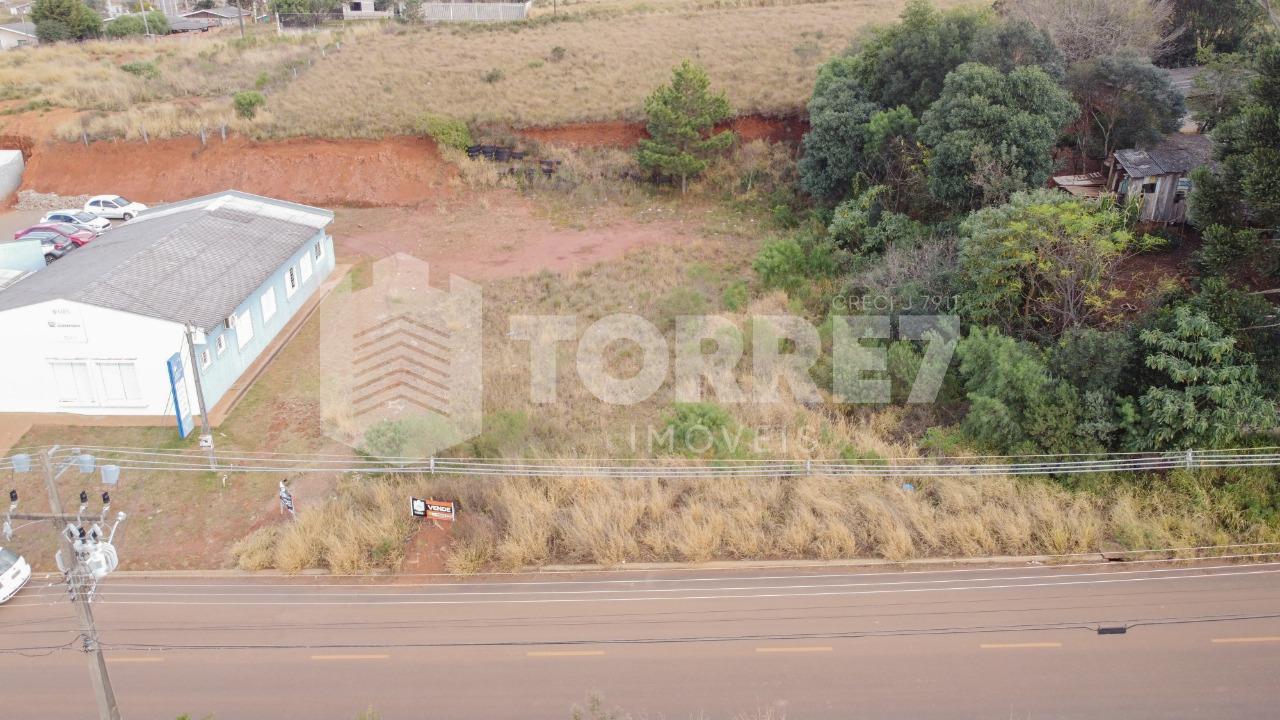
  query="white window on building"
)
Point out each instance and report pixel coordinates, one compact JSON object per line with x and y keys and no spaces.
{"x":290,"y":282}
{"x":119,"y":383}
{"x":206,"y":359}
{"x":244,"y":328}
{"x":318,"y":251}
{"x":220,"y":343}
{"x":268,"y":305}
{"x":305,"y":262}
{"x":73,"y":382}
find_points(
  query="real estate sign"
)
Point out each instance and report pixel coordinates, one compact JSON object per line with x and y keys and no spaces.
{"x":178,"y":391}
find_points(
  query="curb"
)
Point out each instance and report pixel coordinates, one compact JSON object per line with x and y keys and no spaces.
{"x":643,"y":567}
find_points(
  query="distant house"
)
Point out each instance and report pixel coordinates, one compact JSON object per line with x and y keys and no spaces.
{"x":178,"y":24}
{"x":18,"y":8}
{"x":224,"y":15}
{"x":14,"y":35}
{"x":1159,"y":177}
{"x":102,"y":331}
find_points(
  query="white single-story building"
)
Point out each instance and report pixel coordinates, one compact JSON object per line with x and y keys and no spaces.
{"x":19,"y":34}
{"x":103,"y":330}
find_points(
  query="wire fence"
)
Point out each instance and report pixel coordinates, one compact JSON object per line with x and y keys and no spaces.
{"x":198,"y":461}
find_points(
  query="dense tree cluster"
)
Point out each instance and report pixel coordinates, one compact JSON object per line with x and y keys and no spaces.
{"x":930,"y":146}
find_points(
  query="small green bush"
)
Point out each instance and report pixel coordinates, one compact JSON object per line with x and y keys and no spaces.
{"x":493,"y":76}
{"x":447,"y":132}
{"x":1224,"y":247}
{"x":735,"y":296}
{"x":706,"y":429}
{"x":247,"y":103}
{"x":558,"y":53}
{"x":139,"y":68}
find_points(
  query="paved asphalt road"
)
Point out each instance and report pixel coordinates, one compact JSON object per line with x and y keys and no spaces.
{"x":1203,"y":641}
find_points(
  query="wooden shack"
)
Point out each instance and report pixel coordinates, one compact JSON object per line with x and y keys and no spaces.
{"x":1159,"y":177}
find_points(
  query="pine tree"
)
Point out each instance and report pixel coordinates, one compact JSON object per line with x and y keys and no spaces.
{"x":682,"y":119}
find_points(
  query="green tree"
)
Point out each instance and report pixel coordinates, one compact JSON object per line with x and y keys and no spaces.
{"x":1041,"y":264}
{"x":866,"y":105}
{"x":1210,"y":396}
{"x":1218,"y":25}
{"x":128,"y":25}
{"x":681,"y":122}
{"x":839,"y":111}
{"x":1015,"y":117}
{"x":1245,"y":190}
{"x":1125,"y":101}
{"x":1008,"y":45}
{"x":1015,"y":404}
{"x":907,"y":63}
{"x":64,"y":20}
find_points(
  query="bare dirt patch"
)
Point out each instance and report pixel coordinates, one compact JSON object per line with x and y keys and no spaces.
{"x":391,"y":171}
{"x":498,"y":235}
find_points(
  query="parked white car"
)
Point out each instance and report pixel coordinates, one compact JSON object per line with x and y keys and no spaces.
{"x":79,"y":218}
{"x":114,"y":207}
{"x":14,"y":573}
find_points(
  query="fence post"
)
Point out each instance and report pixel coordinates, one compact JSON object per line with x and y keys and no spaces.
{"x":1191,"y":458}
{"x":84,"y":137}
{"x":224,"y":132}
{"x":145,"y":138}
{"x":433,"y":464}
{"x":203,"y":140}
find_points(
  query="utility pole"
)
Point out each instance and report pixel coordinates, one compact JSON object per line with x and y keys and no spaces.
{"x":206,"y":434}
{"x":77,"y":575}
{"x":240,"y":13}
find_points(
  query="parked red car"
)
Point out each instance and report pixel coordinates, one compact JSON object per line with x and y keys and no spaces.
{"x":76,"y":235}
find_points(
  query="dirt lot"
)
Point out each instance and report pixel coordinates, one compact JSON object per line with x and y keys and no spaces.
{"x":496,"y":234}
{"x":392,"y":171}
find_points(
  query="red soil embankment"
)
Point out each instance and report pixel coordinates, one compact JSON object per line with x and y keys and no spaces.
{"x":627,"y":134}
{"x":391,"y":171}
{"x":397,"y":171}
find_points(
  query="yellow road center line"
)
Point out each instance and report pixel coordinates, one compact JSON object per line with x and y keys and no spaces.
{"x":1015,"y":646}
{"x":815,"y":648}
{"x":564,"y":653}
{"x":1258,"y":639}
{"x":141,"y":659}
{"x":350,"y":657}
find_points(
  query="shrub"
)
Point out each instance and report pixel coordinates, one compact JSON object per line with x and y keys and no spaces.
{"x":141,"y":69}
{"x":447,"y":132}
{"x":705,"y":429}
{"x":794,"y":265}
{"x":493,"y":76}
{"x":734,"y":297}
{"x":504,"y":435}
{"x":558,"y":53}
{"x":247,"y":103}
{"x":1224,"y":247}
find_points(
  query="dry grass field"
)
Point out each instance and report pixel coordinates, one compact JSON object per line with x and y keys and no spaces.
{"x":593,"y":60}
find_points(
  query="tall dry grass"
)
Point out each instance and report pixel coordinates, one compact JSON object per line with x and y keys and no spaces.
{"x":513,"y":523}
{"x":595,"y":60}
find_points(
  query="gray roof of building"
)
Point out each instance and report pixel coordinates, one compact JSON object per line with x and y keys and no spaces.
{"x":194,"y":261}
{"x":25,"y":28}
{"x":1176,"y":153}
{"x":225,"y":11}
{"x":180,"y":24}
